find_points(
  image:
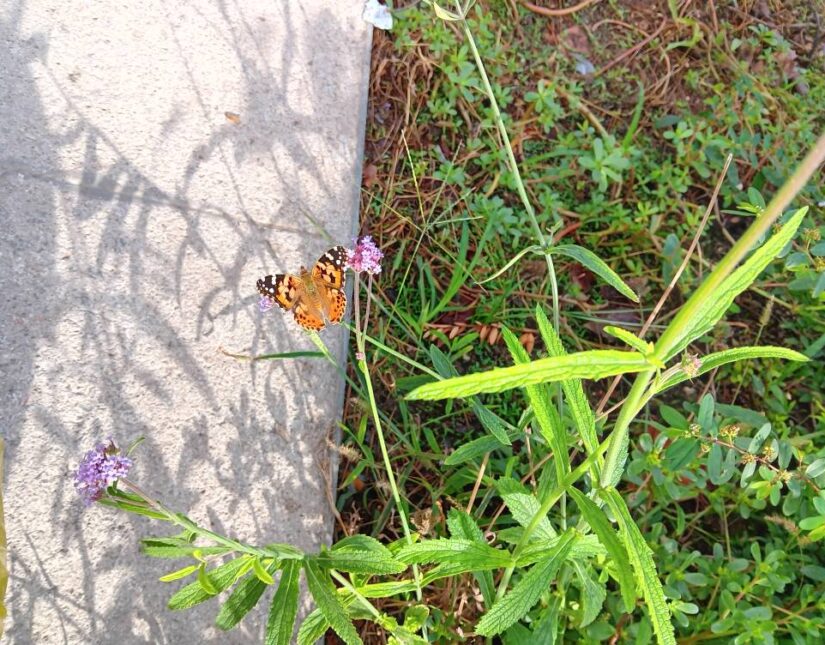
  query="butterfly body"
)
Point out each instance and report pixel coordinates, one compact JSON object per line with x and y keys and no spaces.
{"x":314,"y":297}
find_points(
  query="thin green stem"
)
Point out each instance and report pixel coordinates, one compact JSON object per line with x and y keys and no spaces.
{"x":376,"y":419}
{"x":358,"y":596}
{"x":528,"y":207}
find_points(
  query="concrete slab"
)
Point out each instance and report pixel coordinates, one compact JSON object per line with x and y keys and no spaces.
{"x":135,"y":217}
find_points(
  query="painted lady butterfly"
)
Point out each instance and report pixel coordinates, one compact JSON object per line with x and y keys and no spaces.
{"x":313,"y":297}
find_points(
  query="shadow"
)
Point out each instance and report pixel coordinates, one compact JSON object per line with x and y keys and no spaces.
{"x":138,"y":218}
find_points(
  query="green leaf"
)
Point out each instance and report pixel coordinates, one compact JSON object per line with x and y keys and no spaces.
{"x":631,"y":339}
{"x":547,"y":417}
{"x":261,"y":572}
{"x":474,"y":449}
{"x":574,"y":394}
{"x":641,"y":558}
{"x":220,"y":578}
{"x":464,"y":527}
{"x":523,"y":506}
{"x":205,"y":582}
{"x":595,"y":264}
{"x":360,"y":561}
{"x":815,"y":468}
{"x":593,"y":364}
{"x":243,"y":598}
{"x":513,"y":606}
{"x":177,"y":548}
{"x":586,"y":548}
{"x":717,"y":359}
{"x":313,"y":628}
{"x":704,"y":315}
{"x":593,"y":594}
{"x":471,"y":556}
{"x":326,"y":597}
{"x":180,"y":573}
{"x":284,"y":606}
{"x":598,"y":521}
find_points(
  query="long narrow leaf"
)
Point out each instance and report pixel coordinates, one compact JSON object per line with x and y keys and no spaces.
{"x":520,"y":599}
{"x":707,"y":313}
{"x":284,"y":606}
{"x":641,"y":558}
{"x":463,"y":526}
{"x":243,"y":598}
{"x":598,"y":521}
{"x":593,"y":262}
{"x":574,"y":394}
{"x":593,"y":364}
{"x":326,"y":597}
{"x":717,"y":359}
{"x":547,"y":417}
{"x":219,"y":577}
{"x":470,"y":555}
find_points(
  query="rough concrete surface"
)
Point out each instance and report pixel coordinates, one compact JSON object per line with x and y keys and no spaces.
{"x":135,"y":217}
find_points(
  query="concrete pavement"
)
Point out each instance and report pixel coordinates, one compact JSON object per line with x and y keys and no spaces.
{"x":156,"y":158}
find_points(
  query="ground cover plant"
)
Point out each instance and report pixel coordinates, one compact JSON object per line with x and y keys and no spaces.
{"x":586,"y":395}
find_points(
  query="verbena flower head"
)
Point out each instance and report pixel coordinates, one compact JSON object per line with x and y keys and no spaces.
{"x":365,"y":257}
{"x":265,"y":304}
{"x":100,"y":469}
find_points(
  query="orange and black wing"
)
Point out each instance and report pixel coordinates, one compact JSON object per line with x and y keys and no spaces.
{"x":306,"y":318}
{"x":329,"y":269}
{"x":337,"y":305}
{"x":284,"y":289}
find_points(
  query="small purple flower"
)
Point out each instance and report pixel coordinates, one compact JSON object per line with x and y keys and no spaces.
{"x":359,"y":356}
{"x":365,"y":257}
{"x":100,"y":469}
{"x":265,"y":304}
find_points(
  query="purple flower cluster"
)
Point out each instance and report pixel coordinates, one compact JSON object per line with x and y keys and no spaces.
{"x":366,"y":256}
{"x":100,"y":469}
{"x":265,"y":304}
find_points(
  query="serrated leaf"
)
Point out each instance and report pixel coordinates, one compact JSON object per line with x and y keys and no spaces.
{"x":630,"y":339}
{"x":704,"y":315}
{"x":598,"y":266}
{"x":579,"y":406}
{"x":585,"y":548}
{"x":592,"y":364}
{"x":593,"y":594}
{"x":601,"y":526}
{"x":312,"y":628}
{"x":523,"y":506}
{"x":717,"y":359}
{"x":641,"y":558}
{"x":513,"y":606}
{"x":469,"y":555}
{"x":220,"y":578}
{"x":464,"y":527}
{"x":243,"y":598}
{"x":326,"y":597}
{"x":360,"y":561}
{"x":547,"y":417}
{"x":284,"y":606}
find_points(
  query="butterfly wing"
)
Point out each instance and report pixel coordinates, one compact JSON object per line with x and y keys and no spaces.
{"x":305,"y":317}
{"x":284,"y":289}
{"x":329,"y":269}
{"x":337,"y":305}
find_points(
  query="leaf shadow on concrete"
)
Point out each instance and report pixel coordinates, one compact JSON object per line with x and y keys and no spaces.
{"x":123,"y":286}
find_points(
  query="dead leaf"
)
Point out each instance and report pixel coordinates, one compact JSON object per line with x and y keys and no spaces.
{"x":233,"y":118}
{"x":370,"y":175}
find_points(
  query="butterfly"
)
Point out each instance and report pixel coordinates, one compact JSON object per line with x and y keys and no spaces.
{"x":314,"y":297}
